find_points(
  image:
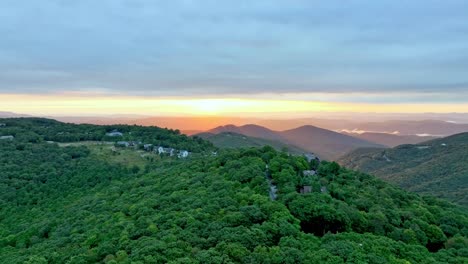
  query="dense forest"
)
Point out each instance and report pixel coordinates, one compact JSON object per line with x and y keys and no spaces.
{"x":35,"y":130}
{"x":437,"y":167}
{"x":66,"y":204}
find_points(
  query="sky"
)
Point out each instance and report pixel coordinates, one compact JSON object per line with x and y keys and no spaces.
{"x":227,"y":57}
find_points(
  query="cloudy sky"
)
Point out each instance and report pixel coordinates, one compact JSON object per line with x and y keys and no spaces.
{"x":358,"y":52}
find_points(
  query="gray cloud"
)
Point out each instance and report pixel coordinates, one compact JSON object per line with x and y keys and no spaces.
{"x":232,"y":47}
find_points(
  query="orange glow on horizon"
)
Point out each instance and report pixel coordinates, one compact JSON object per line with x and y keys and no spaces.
{"x":57,"y":105}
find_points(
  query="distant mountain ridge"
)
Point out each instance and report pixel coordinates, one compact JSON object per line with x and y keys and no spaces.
{"x":5,"y":114}
{"x":434,"y":127}
{"x":325,"y":143}
{"x":420,"y":127}
{"x":391,"y":140}
{"x":328,"y":144}
{"x":236,"y":140}
{"x":437,"y":167}
{"x":250,"y":130}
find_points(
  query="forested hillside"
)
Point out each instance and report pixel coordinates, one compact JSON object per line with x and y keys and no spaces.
{"x":40,"y":129}
{"x":70,"y":204}
{"x":326,"y":144}
{"x":437,"y":167}
{"x":330,"y":145}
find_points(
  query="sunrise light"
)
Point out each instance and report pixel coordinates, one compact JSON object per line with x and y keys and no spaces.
{"x":177,"y":106}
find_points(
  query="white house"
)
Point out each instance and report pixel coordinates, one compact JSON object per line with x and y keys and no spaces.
{"x":183,"y":154}
{"x":114,"y":133}
{"x":2,"y":124}
{"x":7,"y":137}
{"x":160,"y":150}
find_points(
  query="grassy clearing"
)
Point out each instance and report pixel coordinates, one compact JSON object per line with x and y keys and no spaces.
{"x":106,"y":151}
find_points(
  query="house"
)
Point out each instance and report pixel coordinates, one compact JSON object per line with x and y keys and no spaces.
{"x":306,"y":189}
{"x":114,"y":133}
{"x":323,"y":189}
{"x":308,"y":173}
{"x":171,"y":151}
{"x":183,"y":154}
{"x":147,"y":147}
{"x":310,"y":157}
{"x":214,"y":153}
{"x":123,"y":144}
{"x":2,"y":124}
{"x":137,"y":143}
{"x":160,"y":150}
{"x":9,"y":137}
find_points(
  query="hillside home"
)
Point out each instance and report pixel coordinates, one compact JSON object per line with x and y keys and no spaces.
{"x":310,"y":157}
{"x":171,"y":151}
{"x":114,"y":133}
{"x":9,"y":137}
{"x":308,"y":173}
{"x":423,"y":147}
{"x":183,"y":154}
{"x":123,"y":144}
{"x":2,"y":124}
{"x":147,"y":147}
{"x":160,"y":150}
{"x":306,"y":189}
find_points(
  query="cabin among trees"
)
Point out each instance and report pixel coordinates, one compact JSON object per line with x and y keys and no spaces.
{"x":306,"y":189}
{"x":158,"y":149}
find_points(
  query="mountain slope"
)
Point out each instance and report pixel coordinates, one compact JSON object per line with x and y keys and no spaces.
{"x":437,"y":167}
{"x":4,"y":114}
{"x":422,"y":127}
{"x":403,"y":126}
{"x":327,"y":144}
{"x":65,"y":203}
{"x":250,"y":131}
{"x":390,"y":140}
{"x":234,"y":140}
